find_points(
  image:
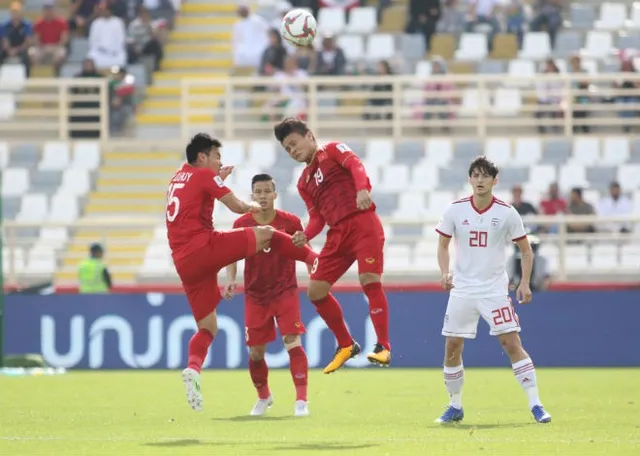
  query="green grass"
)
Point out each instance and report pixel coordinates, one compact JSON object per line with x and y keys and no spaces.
{"x":354,"y":412}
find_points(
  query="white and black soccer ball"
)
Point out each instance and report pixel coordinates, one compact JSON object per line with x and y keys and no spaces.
{"x":299,"y":27}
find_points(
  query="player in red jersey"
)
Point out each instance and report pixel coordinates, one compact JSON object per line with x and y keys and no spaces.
{"x":271,"y":295}
{"x":336,"y":189}
{"x":199,"y":251}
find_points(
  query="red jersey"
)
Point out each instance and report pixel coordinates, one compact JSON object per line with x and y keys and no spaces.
{"x":267,"y":274}
{"x":553,"y":206}
{"x":189,"y":213}
{"x":50,"y":32}
{"x":328,"y":186}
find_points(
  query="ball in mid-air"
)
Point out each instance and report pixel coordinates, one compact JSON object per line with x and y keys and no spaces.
{"x":298,"y":27}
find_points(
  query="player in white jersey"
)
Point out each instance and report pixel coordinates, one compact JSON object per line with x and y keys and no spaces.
{"x":482,"y":226}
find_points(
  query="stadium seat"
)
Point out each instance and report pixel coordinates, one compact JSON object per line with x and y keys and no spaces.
{"x":397,"y":257}
{"x":13,"y":77}
{"x":612,"y":16}
{"x":472,"y":47}
{"x":568,"y":43}
{"x":331,"y":20}
{"x":630,"y":256}
{"x":582,"y":16}
{"x":4,"y":155}
{"x":262,"y":154}
{"x":572,"y":175}
{"x":233,"y":153}
{"x":86,"y":155}
{"x":604,"y":256}
{"x":55,"y":156}
{"x":34,"y":208}
{"x":443,"y":45}
{"x":527,"y":151}
{"x":536,"y":46}
{"x":157,"y":258}
{"x":505,"y":46}
{"x":75,"y":181}
{"x":498,"y":150}
{"x":41,"y":260}
{"x":424,"y":176}
{"x":64,"y":207}
{"x":491,"y":67}
{"x":13,"y":261}
{"x":576,"y":257}
{"x":423,"y":68}
{"x":379,"y":151}
{"x":598,"y":45}
{"x":506,"y":102}
{"x":629,"y":176}
{"x":412,"y":47}
{"x":15,"y":181}
{"x":471,"y":102}
{"x":352,"y":46}
{"x":7,"y":106}
{"x":586,"y":151}
{"x":439,"y":151}
{"x":439,"y":201}
{"x":54,"y":237}
{"x":634,"y":17}
{"x":380,"y":47}
{"x":541,"y":176}
{"x":591,"y":195}
{"x":241,"y":178}
{"x":615,"y":150}
{"x":394,"y":178}
{"x":296,"y":172}
{"x":424,"y":258}
{"x":363,"y":20}
{"x":411,"y":206}
{"x":522,"y":71}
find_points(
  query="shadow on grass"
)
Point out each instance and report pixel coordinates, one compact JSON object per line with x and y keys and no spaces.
{"x":183,"y":443}
{"x":324,"y":446}
{"x":472,"y":427}
{"x":243,"y":418}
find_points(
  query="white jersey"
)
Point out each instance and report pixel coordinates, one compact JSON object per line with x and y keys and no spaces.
{"x":480,"y":269}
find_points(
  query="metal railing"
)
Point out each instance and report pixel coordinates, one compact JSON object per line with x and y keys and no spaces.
{"x":411,"y":106}
{"x":41,"y":109}
{"x":126,"y":254}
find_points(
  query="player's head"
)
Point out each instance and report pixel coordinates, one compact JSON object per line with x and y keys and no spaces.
{"x":483,"y":175}
{"x":263,"y":191}
{"x":296,"y":138}
{"x":203,"y":151}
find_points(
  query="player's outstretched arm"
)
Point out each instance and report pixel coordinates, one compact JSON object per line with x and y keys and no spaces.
{"x":230,"y":287}
{"x":238,"y":206}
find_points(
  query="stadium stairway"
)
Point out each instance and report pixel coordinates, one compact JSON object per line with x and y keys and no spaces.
{"x":199,"y":46}
{"x":129,"y":185}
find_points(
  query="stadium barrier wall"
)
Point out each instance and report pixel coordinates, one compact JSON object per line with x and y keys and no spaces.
{"x":151,"y":331}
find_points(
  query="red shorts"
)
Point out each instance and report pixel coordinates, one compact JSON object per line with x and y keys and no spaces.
{"x":199,"y":271}
{"x":358,"y":238}
{"x":260,"y":318}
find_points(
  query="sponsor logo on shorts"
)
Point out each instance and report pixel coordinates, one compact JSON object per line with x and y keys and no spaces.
{"x":370,"y":260}
{"x":297,"y":324}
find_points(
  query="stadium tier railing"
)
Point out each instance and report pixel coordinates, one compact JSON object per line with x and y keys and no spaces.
{"x":125,"y":255}
{"x":45,"y":109}
{"x":412,"y":106}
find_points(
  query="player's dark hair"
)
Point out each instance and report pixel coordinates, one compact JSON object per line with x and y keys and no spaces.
{"x":289,"y":125}
{"x":201,"y":142}
{"x":482,"y":164}
{"x":262,"y":178}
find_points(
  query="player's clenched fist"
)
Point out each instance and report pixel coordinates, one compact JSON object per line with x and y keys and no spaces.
{"x":523,"y":293}
{"x":228,"y":291}
{"x":446,"y":281}
{"x":254,"y":207}
{"x":363,"y":199}
{"x":299,"y":239}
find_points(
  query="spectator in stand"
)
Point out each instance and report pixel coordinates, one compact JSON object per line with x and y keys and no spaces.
{"x":616,"y":204}
{"x":553,"y":204}
{"x":437,"y":93}
{"x":549,"y":95}
{"x":51,"y":38}
{"x":88,"y":71}
{"x":330,"y":59}
{"x":575,"y":64}
{"x":162,"y":11}
{"x":484,"y":13}
{"x":83,"y":12}
{"x":290,"y":98}
{"x":515,"y":19}
{"x":384,"y":101}
{"x":250,"y":38}
{"x":119,"y":9}
{"x":523,"y":207}
{"x":578,"y":206}
{"x":17,"y":37}
{"x":423,"y":18}
{"x":121,"y":98}
{"x":627,"y":67}
{"x":274,"y":55}
{"x":144,"y":39}
{"x":107,"y":40}
{"x":451,"y":19}
{"x":313,"y":5}
{"x":547,"y":14}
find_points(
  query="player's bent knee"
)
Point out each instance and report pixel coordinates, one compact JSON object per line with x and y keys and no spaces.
{"x":510,"y":342}
{"x":263,"y":236}
{"x":453,"y":346}
{"x":257,"y":353}
{"x":318,"y":290}
{"x":367,"y":278}
{"x":291,"y":342}
{"x":210,"y":323}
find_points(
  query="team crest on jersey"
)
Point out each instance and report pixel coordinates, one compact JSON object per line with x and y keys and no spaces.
{"x":342,"y":147}
{"x":218,"y":180}
{"x":495,"y":222}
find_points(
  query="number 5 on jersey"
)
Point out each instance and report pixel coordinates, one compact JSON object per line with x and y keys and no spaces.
{"x":173,"y":202}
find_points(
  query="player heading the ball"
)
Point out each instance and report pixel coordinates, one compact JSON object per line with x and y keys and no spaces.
{"x":270,"y":296}
{"x":482,"y":225}
{"x":336,"y":190}
{"x":199,"y":251}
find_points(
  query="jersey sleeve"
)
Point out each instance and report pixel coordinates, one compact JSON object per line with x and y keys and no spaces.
{"x":445,"y":225}
{"x":213,"y":184}
{"x":342,"y":153}
{"x":308,"y":201}
{"x":238,"y":223}
{"x":516,"y":227}
{"x":296,"y":224}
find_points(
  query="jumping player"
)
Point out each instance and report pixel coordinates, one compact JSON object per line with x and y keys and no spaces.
{"x":335,"y":188}
{"x":199,"y":251}
{"x":271,"y":295}
{"x":482,"y":225}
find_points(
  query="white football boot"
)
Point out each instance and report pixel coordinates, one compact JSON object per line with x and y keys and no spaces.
{"x":191,"y":380}
{"x":301,"y":409}
{"x":261,"y":406}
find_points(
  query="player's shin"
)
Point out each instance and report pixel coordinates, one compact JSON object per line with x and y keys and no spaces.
{"x":260,"y":377}
{"x":330,"y":311}
{"x":299,"y":367}
{"x":453,"y":380}
{"x":379,"y":312}
{"x":198,"y":348}
{"x":282,"y":243}
{"x":525,"y":373}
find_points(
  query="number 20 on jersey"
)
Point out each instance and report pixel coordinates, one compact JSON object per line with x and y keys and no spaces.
{"x":478,"y":238}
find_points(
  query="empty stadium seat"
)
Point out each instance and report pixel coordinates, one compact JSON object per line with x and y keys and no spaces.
{"x":54,"y":237}
{"x":379,"y":151}
{"x":233,"y":153}
{"x":424,"y":255}
{"x":412,"y":47}
{"x":572,"y":175}
{"x":472,"y":101}
{"x":535,"y":46}
{"x":362,"y":20}
{"x":262,"y":154}
{"x":604,"y":256}
{"x":498,"y":150}
{"x":439,"y":151}
{"x":394,"y":178}
{"x":519,"y":69}
{"x":582,"y":16}
{"x":13,"y":261}
{"x":411,"y":206}
{"x":15,"y":181}
{"x":241,"y":177}
{"x":380,"y":47}
{"x":629,"y":176}
{"x":612,"y":16}
{"x":506,"y":102}
{"x":423,"y":68}
{"x":332,"y":20}
{"x":86,"y":155}
{"x":13,"y":77}
{"x":586,"y":151}
{"x":64,"y":207}
{"x":576,"y":257}
{"x":472,"y":47}
{"x":598,"y":44}
{"x":440,"y":200}
{"x":542,"y":176}
{"x":634,"y":17}
{"x":615,"y":150}
{"x":7,"y":106}
{"x":352,"y":46}
{"x":424,"y":176}
{"x":55,"y":156}
{"x":296,"y":172}
{"x":41,"y":260}
{"x":4,"y":155}
{"x":34,"y":208}
{"x":568,"y":43}
{"x":397,"y":257}
{"x":75,"y":181}
{"x":527,"y":151}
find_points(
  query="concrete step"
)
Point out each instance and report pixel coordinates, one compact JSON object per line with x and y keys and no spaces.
{"x":209,"y":21}
{"x":202,"y":48}
{"x":176,"y":104}
{"x":171,"y":89}
{"x":203,"y":37}
{"x":171,"y":119}
{"x":208,"y":7}
{"x":197,"y":64}
{"x":202,"y":28}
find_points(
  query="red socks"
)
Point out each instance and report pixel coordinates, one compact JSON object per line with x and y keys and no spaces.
{"x":259,"y":376}
{"x":379,"y":312}
{"x":198,"y":348}
{"x":299,"y":367}
{"x":330,"y":311}
{"x":282,"y":243}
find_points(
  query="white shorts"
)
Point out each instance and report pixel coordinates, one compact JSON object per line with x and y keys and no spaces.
{"x":461,"y":318}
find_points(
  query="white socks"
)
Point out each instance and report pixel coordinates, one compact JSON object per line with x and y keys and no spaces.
{"x":525,"y":373}
{"x":454,"y":379}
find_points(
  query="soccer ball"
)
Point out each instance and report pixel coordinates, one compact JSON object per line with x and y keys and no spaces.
{"x":298,"y":27}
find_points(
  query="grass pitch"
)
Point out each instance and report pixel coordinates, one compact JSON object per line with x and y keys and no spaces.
{"x":353,"y":412}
